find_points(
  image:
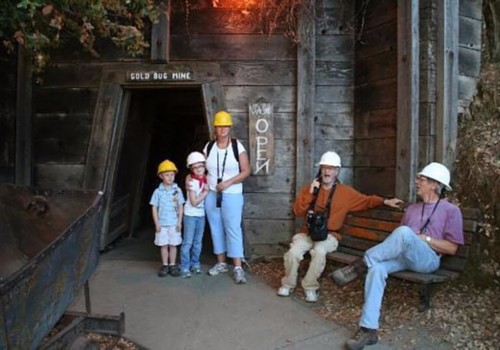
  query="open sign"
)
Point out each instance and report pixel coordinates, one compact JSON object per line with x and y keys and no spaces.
{"x":261,"y":138}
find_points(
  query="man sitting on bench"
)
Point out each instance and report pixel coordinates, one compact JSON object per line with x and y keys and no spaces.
{"x":428,"y":230}
{"x":324,"y":203}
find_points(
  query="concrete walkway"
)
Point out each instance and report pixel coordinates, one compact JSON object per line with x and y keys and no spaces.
{"x":202,"y":312}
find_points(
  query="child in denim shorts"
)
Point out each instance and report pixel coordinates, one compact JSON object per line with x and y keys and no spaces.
{"x":167,"y":209}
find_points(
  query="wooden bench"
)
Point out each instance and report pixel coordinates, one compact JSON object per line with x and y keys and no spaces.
{"x":363,"y":230}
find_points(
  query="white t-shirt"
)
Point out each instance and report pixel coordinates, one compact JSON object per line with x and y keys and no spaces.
{"x":226,"y":170}
{"x":189,"y":209}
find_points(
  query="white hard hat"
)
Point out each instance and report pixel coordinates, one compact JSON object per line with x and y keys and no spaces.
{"x":330,"y":158}
{"x":438,"y":172}
{"x":195,"y":157}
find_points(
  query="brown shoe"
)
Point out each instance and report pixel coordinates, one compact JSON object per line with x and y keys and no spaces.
{"x":349,"y":273}
{"x":163,"y":271}
{"x":174,"y":270}
{"x":363,"y":337}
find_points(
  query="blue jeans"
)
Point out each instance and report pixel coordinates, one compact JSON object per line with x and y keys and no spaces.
{"x":402,"y":250}
{"x":194,"y":226}
{"x":225,"y":223}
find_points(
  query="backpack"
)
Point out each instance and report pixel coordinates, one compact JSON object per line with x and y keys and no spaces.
{"x":234,"y":144}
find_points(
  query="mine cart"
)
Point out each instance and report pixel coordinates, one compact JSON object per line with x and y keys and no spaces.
{"x":49,"y":248}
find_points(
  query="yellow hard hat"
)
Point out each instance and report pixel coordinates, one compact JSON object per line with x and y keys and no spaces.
{"x":222,"y":118}
{"x":166,"y":165}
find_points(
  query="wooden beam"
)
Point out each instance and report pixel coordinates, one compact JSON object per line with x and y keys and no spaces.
{"x":306,"y":65}
{"x":408,"y":98}
{"x":107,"y":127}
{"x":24,"y":121}
{"x":160,"y":34}
{"x":447,"y":82}
{"x":213,"y":102}
{"x":306,"y":68}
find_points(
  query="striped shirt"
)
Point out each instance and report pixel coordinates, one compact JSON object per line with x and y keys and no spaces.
{"x":167,"y":200}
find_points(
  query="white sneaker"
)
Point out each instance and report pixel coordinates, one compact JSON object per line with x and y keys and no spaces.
{"x":239,"y":276}
{"x":311,"y":296}
{"x":218,"y":268}
{"x":285,"y":291}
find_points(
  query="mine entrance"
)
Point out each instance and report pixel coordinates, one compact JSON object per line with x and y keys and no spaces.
{"x":160,"y":124}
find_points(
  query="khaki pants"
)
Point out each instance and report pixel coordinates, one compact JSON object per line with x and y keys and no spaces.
{"x":301,"y":244}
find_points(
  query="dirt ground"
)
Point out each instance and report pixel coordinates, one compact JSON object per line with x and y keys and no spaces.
{"x":461,"y":316}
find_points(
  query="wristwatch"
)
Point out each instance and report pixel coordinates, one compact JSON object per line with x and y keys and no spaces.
{"x":428,"y":239}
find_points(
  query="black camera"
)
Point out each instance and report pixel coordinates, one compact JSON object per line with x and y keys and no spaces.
{"x":317,"y":225}
{"x":218,"y":202}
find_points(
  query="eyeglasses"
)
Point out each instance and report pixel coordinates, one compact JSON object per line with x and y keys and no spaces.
{"x":198,"y":166}
{"x":420,"y":178}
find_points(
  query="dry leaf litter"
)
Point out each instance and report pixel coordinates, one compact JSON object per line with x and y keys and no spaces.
{"x":461,"y":316}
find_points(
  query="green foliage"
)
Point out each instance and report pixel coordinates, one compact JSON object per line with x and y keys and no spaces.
{"x":41,"y":25}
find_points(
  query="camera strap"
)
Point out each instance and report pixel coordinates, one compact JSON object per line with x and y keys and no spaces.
{"x":328,"y":203}
{"x":223,"y":164}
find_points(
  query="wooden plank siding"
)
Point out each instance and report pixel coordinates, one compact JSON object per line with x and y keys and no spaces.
{"x":446,"y":82}
{"x":375,"y":96}
{"x":375,"y":61}
{"x":334,"y":100}
{"x":251,"y":66}
{"x":469,"y":45}
{"x":306,"y":94}
{"x":469,"y":64}
{"x":428,"y":43}
{"x":351,"y":91}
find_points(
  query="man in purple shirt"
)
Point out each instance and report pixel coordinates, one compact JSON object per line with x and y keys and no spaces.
{"x":429,"y":229}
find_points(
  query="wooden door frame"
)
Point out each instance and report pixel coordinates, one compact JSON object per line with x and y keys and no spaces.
{"x":110,"y":115}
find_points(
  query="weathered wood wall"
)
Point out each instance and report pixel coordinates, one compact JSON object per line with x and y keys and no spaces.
{"x":375,"y":97}
{"x":469,"y":65}
{"x":334,"y":101}
{"x":62,"y":119}
{"x":376,"y":82}
{"x":8,"y":69}
{"x":355,"y":97}
{"x":253,"y":67}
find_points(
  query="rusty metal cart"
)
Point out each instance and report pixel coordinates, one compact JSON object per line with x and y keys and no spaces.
{"x":49,"y":248}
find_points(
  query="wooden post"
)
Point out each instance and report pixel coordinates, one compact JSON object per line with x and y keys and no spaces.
{"x":447,"y":82}
{"x":160,"y":35}
{"x":408,"y":98}
{"x":306,"y":83}
{"x":104,"y":137}
{"x":24,"y":120}
{"x":306,"y":62}
{"x":213,"y":102}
